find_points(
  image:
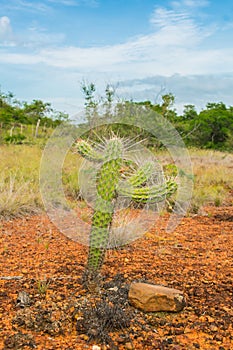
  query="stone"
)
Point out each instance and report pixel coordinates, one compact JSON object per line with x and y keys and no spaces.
{"x":96,"y":347}
{"x":128,"y":346}
{"x":155,"y":298}
{"x":23,"y":299}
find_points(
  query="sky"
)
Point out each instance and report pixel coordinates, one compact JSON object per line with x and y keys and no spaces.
{"x":145,"y":48}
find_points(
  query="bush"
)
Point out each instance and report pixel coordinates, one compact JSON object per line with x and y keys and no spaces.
{"x":15,"y":139}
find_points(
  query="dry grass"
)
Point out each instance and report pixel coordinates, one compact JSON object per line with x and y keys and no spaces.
{"x":19,"y":185}
{"x":17,"y":196}
{"x":19,"y":178}
{"x":213,"y":178}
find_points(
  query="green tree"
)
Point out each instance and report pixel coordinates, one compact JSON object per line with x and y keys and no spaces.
{"x":165,"y":108}
{"x":189,"y":112}
{"x":35,"y":110}
{"x":90,"y":103}
{"x":215,"y":126}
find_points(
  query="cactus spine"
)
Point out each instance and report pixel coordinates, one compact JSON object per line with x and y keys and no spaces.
{"x":109,"y":185}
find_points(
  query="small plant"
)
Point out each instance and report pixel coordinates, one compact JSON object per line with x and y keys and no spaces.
{"x":110,"y":184}
{"x":42,"y":286}
{"x":217,"y":201}
{"x":5,"y":250}
{"x":15,"y":139}
{"x":17,"y":195}
{"x":46,"y":245}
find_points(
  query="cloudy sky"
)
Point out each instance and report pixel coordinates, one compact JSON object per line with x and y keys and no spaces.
{"x":145,"y":47}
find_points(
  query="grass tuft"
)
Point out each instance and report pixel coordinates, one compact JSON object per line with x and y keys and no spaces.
{"x":18,"y":197}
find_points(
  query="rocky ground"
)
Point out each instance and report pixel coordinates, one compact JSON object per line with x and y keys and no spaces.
{"x":43,"y":303}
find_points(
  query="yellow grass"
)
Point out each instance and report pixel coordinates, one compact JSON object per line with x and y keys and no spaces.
{"x":213,"y":177}
{"x":19,"y":178}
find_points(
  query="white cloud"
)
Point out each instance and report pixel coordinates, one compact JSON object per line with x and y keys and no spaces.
{"x":195,"y":3}
{"x":5,"y":27}
{"x":26,"y":6}
{"x":189,"y":4}
{"x":35,"y":38}
{"x":177,"y":27}
{"x":39,"y":37}
{"x":143,"y":56}
{"x":6,"y":32}
{"x":173,"y":47}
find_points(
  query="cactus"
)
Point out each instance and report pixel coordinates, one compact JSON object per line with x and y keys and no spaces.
{"x":109,"y":185}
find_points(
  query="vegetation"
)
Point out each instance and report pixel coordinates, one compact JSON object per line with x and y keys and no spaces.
{"x":213,"y":182}
{"x":211,"y":128}
{"x":22,"y":143}
{"x":102,"y":317}
{"x":19,"y":180}
{"x":20,"y":121}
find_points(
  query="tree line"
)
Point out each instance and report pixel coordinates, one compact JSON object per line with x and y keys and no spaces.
{"x":212,"y":127}
{"x":21,"y":112}
{"x":19,"y":119}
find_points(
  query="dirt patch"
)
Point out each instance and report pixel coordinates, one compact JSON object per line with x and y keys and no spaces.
{"x":55,"y":311}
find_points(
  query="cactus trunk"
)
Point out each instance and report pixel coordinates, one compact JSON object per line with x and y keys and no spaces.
{"x":103,"y":214}
{"x":107,"y":181}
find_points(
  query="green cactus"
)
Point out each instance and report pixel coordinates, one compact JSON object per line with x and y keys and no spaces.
{"x":109,"y":184}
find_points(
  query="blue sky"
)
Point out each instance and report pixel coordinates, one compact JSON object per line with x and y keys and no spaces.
{"x":145,"y":47}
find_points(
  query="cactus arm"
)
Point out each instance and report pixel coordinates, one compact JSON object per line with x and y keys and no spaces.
{"x":142,"y":175}
{"x":150,"y":194}
{"x":88,"y":152}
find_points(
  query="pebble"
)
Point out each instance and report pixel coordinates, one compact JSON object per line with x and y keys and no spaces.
{"x":213,"y":328}
{"x":84,"y":336}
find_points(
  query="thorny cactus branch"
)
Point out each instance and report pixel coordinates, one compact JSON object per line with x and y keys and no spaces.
{"x":87,"y":151}
{"x":142,"y":175}
{"x":109,"y":185}
{"x":153,"y":194}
